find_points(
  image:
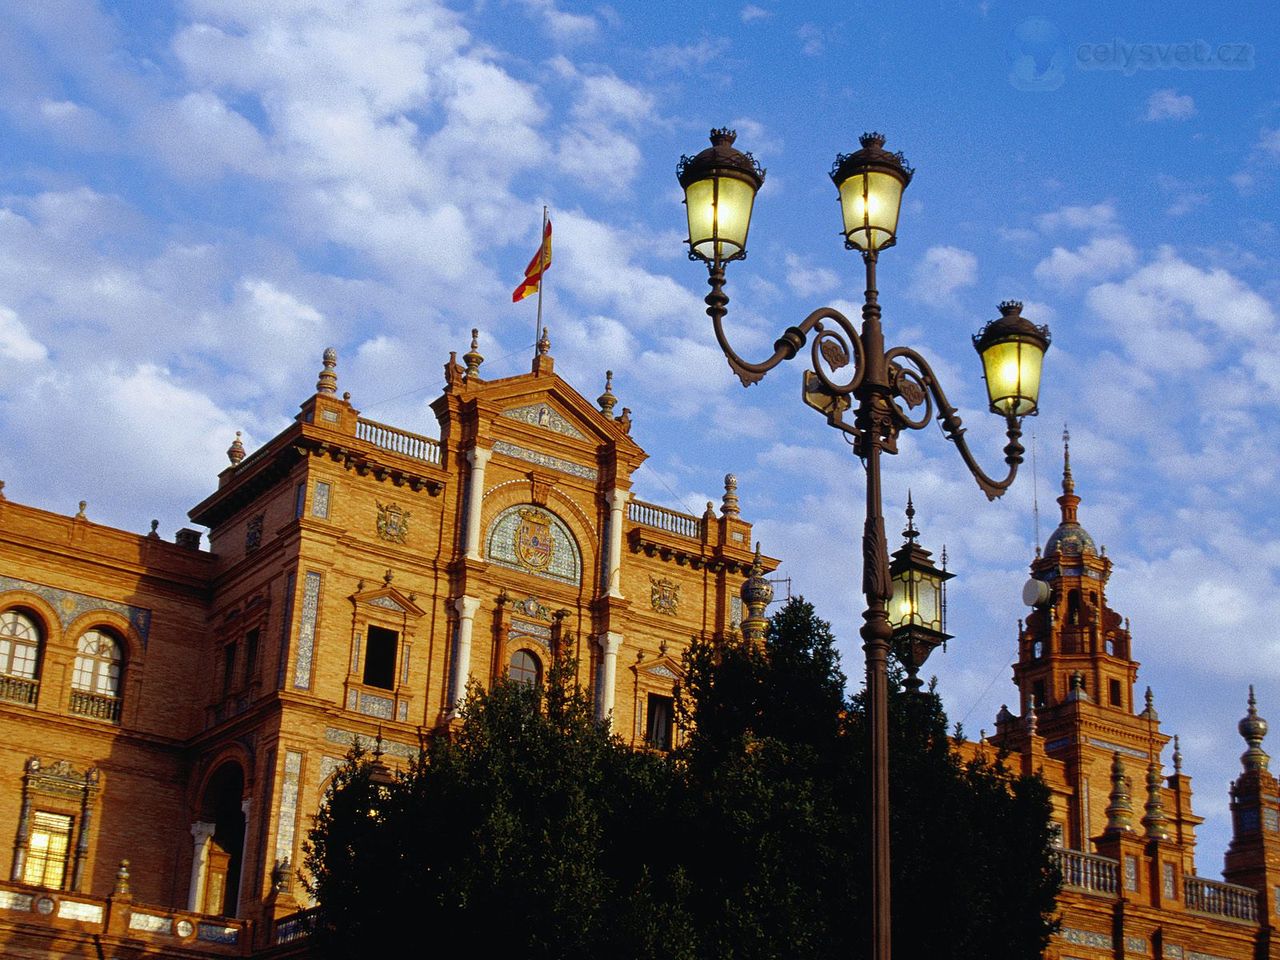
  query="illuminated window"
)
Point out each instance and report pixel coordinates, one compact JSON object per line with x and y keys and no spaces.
{"x":19,"y":645}
{"x":524,"y":668}
{"x":47,"y":846}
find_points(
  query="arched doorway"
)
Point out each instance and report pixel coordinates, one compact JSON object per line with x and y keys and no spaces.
{"x":221,"y":807}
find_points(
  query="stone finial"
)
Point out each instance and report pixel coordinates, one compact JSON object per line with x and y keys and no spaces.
{"x":1120,"y":807}
{"x":1149,"y":712}
{"x":757,"y":594}
{"x":80,"y":513}
{"x":1177,"y":755}
{"x":544,"y":343}
{"x":729,"y":505}
{"x":387,"y":577}
{"x":1077,"y":691}
{"x":328,"y":380}
{"x":473,"y":358}
{"x":1254,"y":729}
{"x":155,"y":530}
{"x":235,"y":452}
{"x":1154,"y":820}
{"x":710,"y":511}
{"x":2,"y":490}
{"x":122,"y":880}
{"x":1068,"y":482}
{"x":1004,"y":717}
{"x":1031,"y":718}
{"x":607,"y":400}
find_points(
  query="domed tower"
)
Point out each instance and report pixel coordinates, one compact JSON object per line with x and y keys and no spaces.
{"x":1253,"y":858}
{"x":1073,"y":647}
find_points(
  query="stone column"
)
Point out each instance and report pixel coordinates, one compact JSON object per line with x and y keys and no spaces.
{"x":617,"y":503}
{"x":466,"y":607}
{"x":477,"y":457}
{"x":244,"y":856}
{"x":610,"y":644}
{"x":200,"y":832}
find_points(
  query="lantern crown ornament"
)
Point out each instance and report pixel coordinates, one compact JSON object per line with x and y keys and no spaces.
{"x":918,"y":609}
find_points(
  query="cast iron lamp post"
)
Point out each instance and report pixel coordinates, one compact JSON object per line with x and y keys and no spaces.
{"x":720,"y":185}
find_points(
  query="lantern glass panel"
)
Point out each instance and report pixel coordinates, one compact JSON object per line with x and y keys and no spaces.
{"x":870,"y":203}
{"x":719,"y":211}
{"x":902,"y":606}
{"x":1012,"y":370}
{"x":928,"y":605}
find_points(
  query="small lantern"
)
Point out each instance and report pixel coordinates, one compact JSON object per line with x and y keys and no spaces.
{"x":918,"y":609}
{"x":1012,"y":350}
{"x":720,"y":187}
{"x":871,"y":182}
{"x":380,"y":778}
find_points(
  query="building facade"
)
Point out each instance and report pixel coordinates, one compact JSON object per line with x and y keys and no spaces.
{"x":170,"y":716}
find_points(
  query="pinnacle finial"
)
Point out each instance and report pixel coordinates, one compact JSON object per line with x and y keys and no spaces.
{"x":1120,"y":809}
{"x":729,"y":504}
{"x":473,"y":358}
{"x":1154,"y":820}
{"x":1068,"y":482}
{"x":544,"y":343}
{"x":1149,"y":712}
{"x":757,"y":594}
{"x":327,"y":382}
{"x":1254,"y":729}
{"x":1177,"y":755}
{"x":235,"y":452}
{"x":911,"y":532}
{"x":607,"y":400}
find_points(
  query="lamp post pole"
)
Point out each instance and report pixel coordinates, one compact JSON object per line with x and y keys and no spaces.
{"x":720,"y":185}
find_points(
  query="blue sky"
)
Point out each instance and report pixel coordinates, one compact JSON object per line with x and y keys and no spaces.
{"x":196,"y":198}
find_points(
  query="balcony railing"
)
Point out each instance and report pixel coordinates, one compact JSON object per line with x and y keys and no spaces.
{"x":295,"y":926}
{"x":398,"y":441}
{"x":19,"y":690}
{"x":1088,"y":871}
{"x":661,"y":518}
{"x":95,"y":705}
{"x":1221,"y":899}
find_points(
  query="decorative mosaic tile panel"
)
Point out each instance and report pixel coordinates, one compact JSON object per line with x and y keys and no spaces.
{"x":735,"y":612}
{"x":565,"y":562}
{"x":15,"y":901}
{"x":541,"y":415}
{"x":1172,"y":952}
{"x":71,"y":605}
{"x":386,"y":602}
{"x":347,"y":738}
{"x":320,"y":501}
{"x":1135,"y":945}
{"x":1270,"y":819}
{"x":1168,"y":881}
{"x":217,"y":933}
{"x":527,"y":629}
{"x":662,"y":670}
{"x":327,"y":766}
{"x":545,"y":460}
{"x":374,"y":706}
{"x":286,"y":822}
{"x":307,"y":630}
{"x":402,"y":711}
{"x":1193,"y":955}
{"x":77,"y":910}
{"x":1130,"y":872}
{"x":150,"y":923}
{"x":286,"y":623}
{"x":1087,"y":938}
{"x":1115,"y":747}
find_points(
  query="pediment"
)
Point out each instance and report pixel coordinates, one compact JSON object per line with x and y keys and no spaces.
{"x":545,"y":417}
{"x":663,"y":669}
{"x":390,"y":599}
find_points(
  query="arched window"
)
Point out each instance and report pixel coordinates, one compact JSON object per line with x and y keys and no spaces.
{"x":20,"y":639}
{"x":19,"y":645}
{"x":95,"y":681}
{"x":525,"y":668}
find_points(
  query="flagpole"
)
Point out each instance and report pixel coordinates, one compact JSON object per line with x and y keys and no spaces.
{"x":542,"y":277}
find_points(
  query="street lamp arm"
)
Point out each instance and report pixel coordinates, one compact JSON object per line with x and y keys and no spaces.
{"x":829,"y":344}
{"x":949,"y":418}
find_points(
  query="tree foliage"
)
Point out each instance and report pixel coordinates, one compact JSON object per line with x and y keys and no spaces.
{"x":532,"y":832}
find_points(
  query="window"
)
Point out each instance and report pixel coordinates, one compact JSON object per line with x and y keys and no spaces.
{"x":1113,"y":692}
{"x":47,"y":846}
{"x":658,"y":726}
{"x":19,"y":657}
{"x":95,"y":681}
{"x":380,"y":658}
{"x":251,"y":655}
{"x":299,"y":499}
{"x":524,"y":668}
{"x":228,"y":667}
{"x":1037,"y":694}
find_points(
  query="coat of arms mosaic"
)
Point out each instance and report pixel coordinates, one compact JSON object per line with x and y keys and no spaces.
{"x":534,"y":544}
{"x":393,"y":523}
{"x":664,"y":595}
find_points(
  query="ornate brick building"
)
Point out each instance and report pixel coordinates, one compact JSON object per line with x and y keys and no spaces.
{"x":169,"y":716}
{"x":1131,"y":887}
{"x":182,"y":709}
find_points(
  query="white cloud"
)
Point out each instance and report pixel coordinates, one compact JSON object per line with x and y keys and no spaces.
{"x":1101,"y":257}
{"x":812,"y":40}
{"x":942,"y":272}
{"x":805,"y":280}
{"x":16,"y":342}
{"x":1168,"y":104}
{"x":688,"y":56}
{"x":1096,"y":218}
{"x":751,"y":13}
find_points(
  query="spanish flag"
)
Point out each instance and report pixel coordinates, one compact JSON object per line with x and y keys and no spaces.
{"x":533,"y":272}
